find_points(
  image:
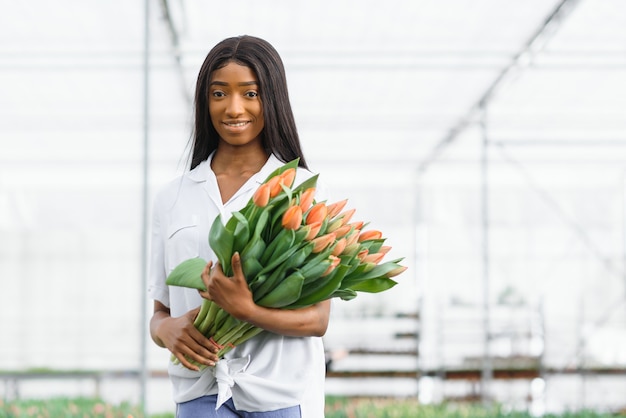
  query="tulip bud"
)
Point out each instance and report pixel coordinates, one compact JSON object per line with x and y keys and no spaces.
{"x":351,"y":249}
{"x":342,"y":231}
{"x":346,"y":216}
{"x":274,"y":185}
{"x":373,"y":258}
{"x":396,"y":271}
{"x":334,"y":262}
{"x":370,"y":235}
{"x":292,"y":219}
{"x":335,"y":208}
{"x":320,"y":243}
{"x":362,"y":254}
{"x":339,"y":247}
{"x":316,"y":214}
{"x":352,"y":237}
{"x":288,"y":176}
{"x":314,"y":229}
{"x":262,"y":196}
{"x":358,"y":225}
{"x":306,"y":199}
{"x":334,"y":225}
{"x":384,"y":249}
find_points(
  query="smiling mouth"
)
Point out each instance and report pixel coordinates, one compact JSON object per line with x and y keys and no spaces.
{"x":236,"y":124}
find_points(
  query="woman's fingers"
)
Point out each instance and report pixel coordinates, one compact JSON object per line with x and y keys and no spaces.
{"x":206,"y":273}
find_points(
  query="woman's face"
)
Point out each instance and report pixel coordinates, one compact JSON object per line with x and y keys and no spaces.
{"x":235,"y":106}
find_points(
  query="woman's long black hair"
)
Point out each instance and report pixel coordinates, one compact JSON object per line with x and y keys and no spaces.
{"x":279,"y":135}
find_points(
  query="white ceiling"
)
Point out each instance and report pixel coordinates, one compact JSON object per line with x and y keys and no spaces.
{"x":374,"y":85}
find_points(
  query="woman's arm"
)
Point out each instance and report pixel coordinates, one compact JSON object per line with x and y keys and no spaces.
{"x":235,"y":297}
{"x":181,"y":337}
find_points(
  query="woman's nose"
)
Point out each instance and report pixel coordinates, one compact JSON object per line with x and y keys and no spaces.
{"x":235,"y":106}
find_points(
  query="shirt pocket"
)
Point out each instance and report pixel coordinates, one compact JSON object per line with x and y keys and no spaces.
{"x":182,"y":242}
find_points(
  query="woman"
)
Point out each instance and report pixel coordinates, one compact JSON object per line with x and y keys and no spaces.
{"x":244,"y":130}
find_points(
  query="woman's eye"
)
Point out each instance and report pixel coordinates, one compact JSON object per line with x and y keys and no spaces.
{"x":218,"y":93}
{"x":251,"y":94}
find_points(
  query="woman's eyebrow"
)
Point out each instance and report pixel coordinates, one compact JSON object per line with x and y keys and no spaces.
{"x":223,"y":83}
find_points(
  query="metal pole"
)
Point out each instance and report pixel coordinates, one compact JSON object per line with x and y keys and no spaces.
{"x":487,"y":366}
{"x":144,"y":225}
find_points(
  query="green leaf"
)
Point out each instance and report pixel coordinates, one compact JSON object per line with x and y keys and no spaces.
{"x":285,"y":293}
{"x":307,"y":184}
{"x":344,"y":294}
{"x":322,"y":288}
{"x":188,"y":274}
{"x":221,"y":241}
{"x":241,"y":233}
{"x":379,"y":284}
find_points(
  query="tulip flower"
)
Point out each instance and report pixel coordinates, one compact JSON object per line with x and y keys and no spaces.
{"x":357,"y":225}
{"x":320,"y":243}
{"x":334,"y":262}
{"x":292,"y":219}
{"x":316,"y":214}
{"x":351,"y":249}
{"x":313,"y":229}
{"x":274,"y":186}
{"x":335,"y":208}
{"x":396,"y":271}
{"x":262,"y":195}
{"x":340,"y":245}
{"x":353,"y":237}
{"x":287,"y":177}
{"x":346,"y":216}
{"x":306,"y":200}
{"x":369,"y":235}
{"x":373,"y":258}
{"x":341,"y":232}
{"x":384,"y":249}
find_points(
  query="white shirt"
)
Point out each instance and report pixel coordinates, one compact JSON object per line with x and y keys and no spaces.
{"x":282,"y":371}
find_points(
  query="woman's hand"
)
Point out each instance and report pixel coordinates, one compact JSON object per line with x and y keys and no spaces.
{"x":181,"y":337}
{"x":231,"y":293}
{"x":234,"y":296}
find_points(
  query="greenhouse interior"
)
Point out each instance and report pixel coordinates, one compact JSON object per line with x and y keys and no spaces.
{"x":486,"y":139}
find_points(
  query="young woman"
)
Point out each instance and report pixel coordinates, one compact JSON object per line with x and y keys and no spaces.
{"x":244,"y":130}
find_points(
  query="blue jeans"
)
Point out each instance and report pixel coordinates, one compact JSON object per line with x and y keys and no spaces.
{"x":204,"y":407}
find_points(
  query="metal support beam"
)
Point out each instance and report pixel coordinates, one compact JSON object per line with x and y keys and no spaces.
{"x":529,"y":48}
{"x":143,"y":362}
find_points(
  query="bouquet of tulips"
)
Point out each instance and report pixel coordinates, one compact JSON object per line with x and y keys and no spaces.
{"x":294,"y":251}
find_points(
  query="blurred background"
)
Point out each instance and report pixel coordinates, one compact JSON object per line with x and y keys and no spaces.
{"x":485,"y":138}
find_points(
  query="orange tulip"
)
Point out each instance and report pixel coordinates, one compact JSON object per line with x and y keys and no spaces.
{"x":373,"y":258}
{"x":317,"y":213}
{"x":369,"y":235}
{"x":353,"y":237}
{"x":396,"y":271}
{"x":306,"y":199}
{"x":339,"y":247}
{"x":335,"y":208}
{"x":342,"y":231}
{"x":334,"y":225}
{"x":288,"y":176}
{"x":320,"y":243}
{"x":262,"y":196}
{"x":274,"y":185}
{"x":334,"y":262}
{"x":351,"y":249}
{"x":292,"y":219}
{"x":384,"y":249}
{"x":358,"y":225}
{"x":346,"y":216}
{"x":362,"y":254}
{"x":313,"y":229}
